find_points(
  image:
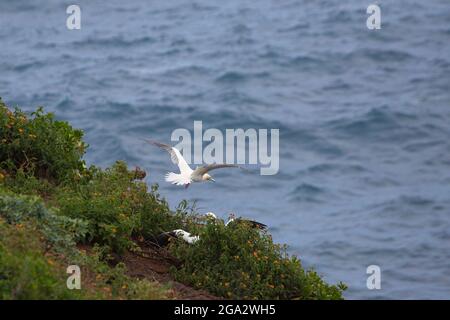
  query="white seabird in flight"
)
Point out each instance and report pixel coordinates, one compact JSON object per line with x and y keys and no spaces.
{"x":187,"y":175}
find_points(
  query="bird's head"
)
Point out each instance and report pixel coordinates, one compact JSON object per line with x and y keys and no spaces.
{"x":180,"y":233}
{"x":207,"y":177}
{"x":211,"y":215}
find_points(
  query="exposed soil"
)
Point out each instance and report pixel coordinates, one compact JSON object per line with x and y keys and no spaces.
{"x":153,"y":263}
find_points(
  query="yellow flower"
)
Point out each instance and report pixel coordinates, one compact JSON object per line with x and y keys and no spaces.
{"x":20,"y":130}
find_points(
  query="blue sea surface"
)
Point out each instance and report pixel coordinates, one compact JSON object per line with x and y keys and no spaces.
{"x":364,"y":115}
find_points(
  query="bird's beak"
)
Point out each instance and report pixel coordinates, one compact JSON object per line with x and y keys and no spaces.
{"x":212,"y":180}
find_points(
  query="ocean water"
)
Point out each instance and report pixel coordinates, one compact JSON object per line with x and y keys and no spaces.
{"x":364,"y":116}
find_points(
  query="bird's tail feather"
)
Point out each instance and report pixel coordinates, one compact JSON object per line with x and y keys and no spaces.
{"x":175,"y":178}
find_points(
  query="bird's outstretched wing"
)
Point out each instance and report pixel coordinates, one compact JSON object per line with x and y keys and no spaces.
{"x":252,"y":223}
{"x":204,"y":169}
{"x":175,"y":155}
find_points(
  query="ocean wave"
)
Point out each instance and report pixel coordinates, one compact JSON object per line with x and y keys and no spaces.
{"x":415,"y":208}
{"x":306,"y":192}
{"x":236,"y":76}
{"x":22,"y":67}
{"x":113,"y":41}
{"x":380,"y":124}
{"x":379,"y":55}
{"x":295,"y":27}
{"x":310,"y":139}
{"x":306,"y":61}
{"x":418,"y":146}
{"x":335,"y":167}
{"x":65,"y":102}
{"x":181,"y":70}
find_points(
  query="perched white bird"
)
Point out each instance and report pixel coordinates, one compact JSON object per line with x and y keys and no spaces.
{"x":232,"y":219}
{"x":254,"y":224}
{"x":164,"y":238}
{"x":187,"y":175}
{"x":186,"y":236}
{"x":211,"y":215}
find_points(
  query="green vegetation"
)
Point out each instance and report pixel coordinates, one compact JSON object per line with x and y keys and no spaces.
{"x":116,"y":207}
{"x":25,"y":271}
{"x":52,"y":205}
{"x":36,"y":246}
{"x":239,"y":262}
{"x":39,"y":145}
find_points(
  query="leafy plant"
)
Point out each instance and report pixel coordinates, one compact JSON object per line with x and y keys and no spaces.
{"x":26,"y":271}
{"x":61,"y":232}
{"x":239,"y":262}
{"x":116,"y":207}
{"x":36,"y":246}
{"x":40,"y":145}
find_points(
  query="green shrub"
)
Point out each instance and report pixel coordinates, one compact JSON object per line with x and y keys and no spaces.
{"x":60,"y":232}
{"x":26,"y":183}
{"x":240,"y":263}
{"x":30,"y":270}
{"x":37,"y":245}
{"x":116,"y":207}
{"x":25,"y":270}
{"x":40,"y":145}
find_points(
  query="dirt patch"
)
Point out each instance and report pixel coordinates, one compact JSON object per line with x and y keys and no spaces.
{"x":153,"y":263}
